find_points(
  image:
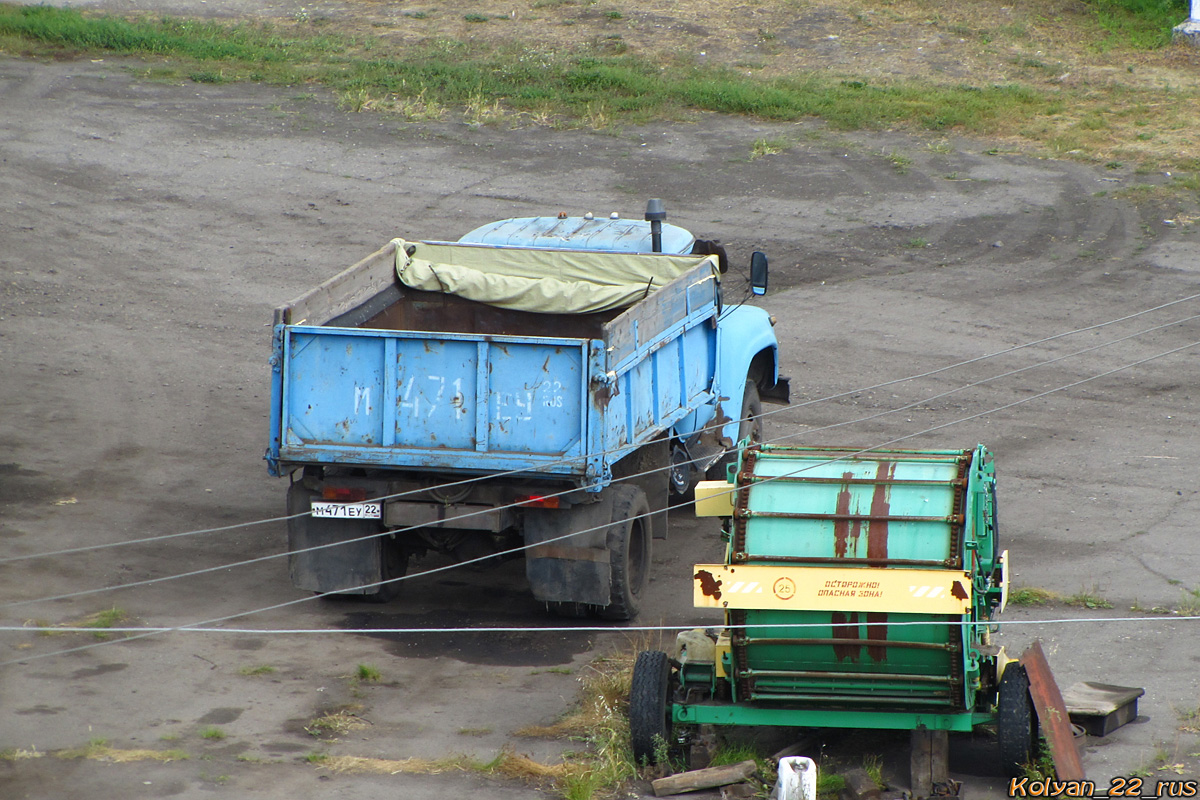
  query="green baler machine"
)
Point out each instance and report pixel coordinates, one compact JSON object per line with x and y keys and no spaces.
{"x":858,"y":589}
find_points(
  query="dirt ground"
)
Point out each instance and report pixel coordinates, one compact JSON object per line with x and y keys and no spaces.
{"x":148,"y":230}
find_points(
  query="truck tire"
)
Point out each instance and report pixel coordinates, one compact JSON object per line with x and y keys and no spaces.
{"x":394,"y":563}
{"x":1016,"y":721}
{"x":628,"y":552}
{"x":650,"y":706}
{"x":750,"y":427}
{"x":569,"y":610}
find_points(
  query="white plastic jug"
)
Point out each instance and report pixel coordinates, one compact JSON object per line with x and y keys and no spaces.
{"x":797,"y":779}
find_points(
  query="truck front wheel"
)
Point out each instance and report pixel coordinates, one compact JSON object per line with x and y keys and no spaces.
{"x":750,"y":426}
{"x":628,"y":552}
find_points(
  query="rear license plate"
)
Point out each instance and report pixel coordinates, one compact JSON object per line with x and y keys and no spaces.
{"x":347,"y":510}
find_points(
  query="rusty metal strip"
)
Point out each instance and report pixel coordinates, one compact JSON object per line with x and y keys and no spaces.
{"x":834,"y":454}
{"x":932,"y":699}
{"x":857,"y":676}
{"x":866,"y":562}
{"x":752,"y":640}
{"x":953,"y":519}
{"x":742,"y":503}
{"x":741,"y":664}
{"x":568,"y":553}
{"x":853,"y":481}
{"x":959,"y":510}
{"x":1052,"y":714}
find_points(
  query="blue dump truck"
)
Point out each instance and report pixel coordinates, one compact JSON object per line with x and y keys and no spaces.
{"x":540,"y":387}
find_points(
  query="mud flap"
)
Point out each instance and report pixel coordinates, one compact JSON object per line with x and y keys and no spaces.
{"x":574,"y":569}
{"x":341,"y":568}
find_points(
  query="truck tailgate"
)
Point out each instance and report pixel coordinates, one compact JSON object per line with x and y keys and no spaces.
{"x":434,"y":401}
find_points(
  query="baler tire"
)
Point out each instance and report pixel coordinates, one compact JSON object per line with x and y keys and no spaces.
{"x":1016,"y":721}
{"x":649,"y":706}
{"x":628,"y":552}
{"x":750,"y":427}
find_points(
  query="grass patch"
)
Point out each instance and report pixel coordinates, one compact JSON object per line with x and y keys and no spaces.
{"x":601,"y":721}
{"x":1190,"y":721}
{"x":334,"y":724}
{"x":164,"y":36}
{"x":212,"y":734}
{"x":99,"y":750}
{"x":1189,"y":606}
{"x":768,"y":147}
{"x":258,"y":669}
{"x":506,"y":764}
{"x":1041,"y":766}
{"x":900,"y":162}
{"x":100,"y":621}
{"x":553,"y":671}
{"x":474,"y":731}
{"x":1087,"y":598}
{"x":110,"y":618}
{"x":1032,"y":596}
{"x":454,"y":72}
{"x":368,"y":673}
{"x":830,"y":785}
{"x":1138,"y":24}
{"x":873,"y":766}
{"x":498,"y":77}
{"x":20,"y":754}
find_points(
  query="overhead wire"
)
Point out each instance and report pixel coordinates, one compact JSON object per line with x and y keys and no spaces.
{"x":285,"y":604}
{"x":930,"y":623}
{"x":510,"y":473}
{"x":491,"y":509}
{"x":392,"y":532}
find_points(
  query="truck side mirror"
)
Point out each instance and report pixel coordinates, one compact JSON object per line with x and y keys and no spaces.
{"x":758,"y":272}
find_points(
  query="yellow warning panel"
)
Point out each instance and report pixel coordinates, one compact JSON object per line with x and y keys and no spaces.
{"x":715,"y":498}
{"x":909,"y":591}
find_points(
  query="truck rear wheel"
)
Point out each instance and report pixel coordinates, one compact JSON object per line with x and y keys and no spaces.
{"x":628,"y":552}
{"x":393,"y":562}
{"x":650,"y":706}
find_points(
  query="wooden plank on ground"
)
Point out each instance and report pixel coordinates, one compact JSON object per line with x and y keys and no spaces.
{"x":1052,"y":714}
{"x":703,"y":778}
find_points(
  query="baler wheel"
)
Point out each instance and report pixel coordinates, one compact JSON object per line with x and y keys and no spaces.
{"x":1016,"y":720}
{"x":649,"y":706}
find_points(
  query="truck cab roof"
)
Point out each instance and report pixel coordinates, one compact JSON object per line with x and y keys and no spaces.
{"x":580,"y":233}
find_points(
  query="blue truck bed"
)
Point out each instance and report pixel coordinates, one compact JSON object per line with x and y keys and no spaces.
{"x":485,"y":401}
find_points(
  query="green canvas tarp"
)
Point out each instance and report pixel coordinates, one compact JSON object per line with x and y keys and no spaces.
{"x":539,"y":280}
